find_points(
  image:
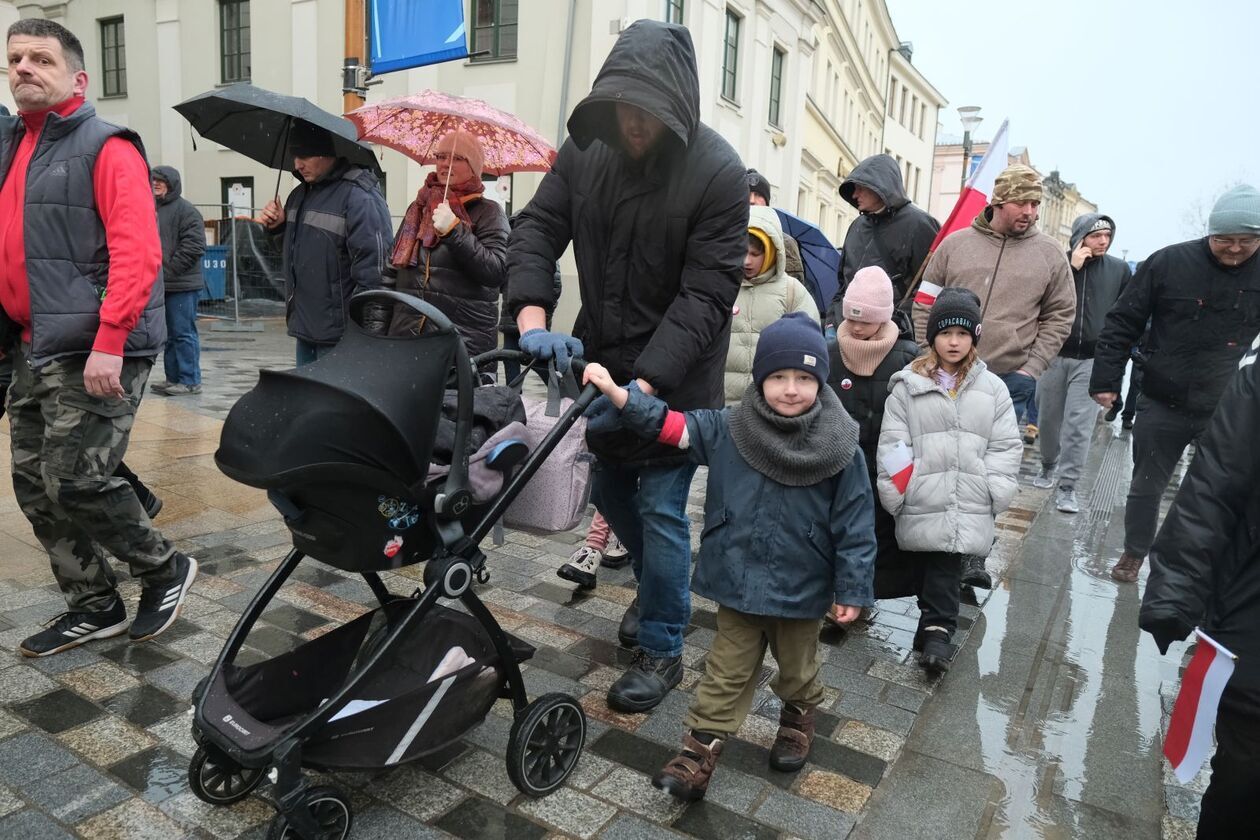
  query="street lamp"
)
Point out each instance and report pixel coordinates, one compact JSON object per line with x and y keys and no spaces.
{"x":971,"y":119}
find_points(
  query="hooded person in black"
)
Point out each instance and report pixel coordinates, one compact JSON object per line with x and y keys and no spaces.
{"x":183,"y":235}
{"x":656,"y":206}
{"x":1067,"y":412}
{"x":1205,"y":572}
{"x":891,"y":232}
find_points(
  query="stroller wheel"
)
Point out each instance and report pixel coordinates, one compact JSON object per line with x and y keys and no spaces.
{"x":218,"y":780}
{"x":545,"y":744}
{"x":330,"y":809}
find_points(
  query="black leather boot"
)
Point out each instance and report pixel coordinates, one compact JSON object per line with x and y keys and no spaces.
{"x":974,"y":573}
{"x":628,"y":632}
{"x":645,"y":683}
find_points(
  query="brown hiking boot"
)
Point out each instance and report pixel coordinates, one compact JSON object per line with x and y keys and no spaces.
{"x":687,"y":774}
{"x":1126,"y":568}
{"x":791,"y":745}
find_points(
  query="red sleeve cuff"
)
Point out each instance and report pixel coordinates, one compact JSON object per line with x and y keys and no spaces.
{"x":674,"y":430}
{"x":110,"y":339}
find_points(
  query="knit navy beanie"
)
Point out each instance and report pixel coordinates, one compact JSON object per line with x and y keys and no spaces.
{"x":794,"y":341}
{"x":955,"y":307}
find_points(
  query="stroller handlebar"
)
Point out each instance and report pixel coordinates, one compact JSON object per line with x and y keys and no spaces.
{"x":428,"y":310}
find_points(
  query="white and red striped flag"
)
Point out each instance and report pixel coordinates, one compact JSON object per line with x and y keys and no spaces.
{"x":899,"y":464}
{"x":1189,"y":738}
{"x":978,"y":190}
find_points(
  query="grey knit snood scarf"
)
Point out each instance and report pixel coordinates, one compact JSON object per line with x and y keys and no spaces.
{"x":796,"y":451}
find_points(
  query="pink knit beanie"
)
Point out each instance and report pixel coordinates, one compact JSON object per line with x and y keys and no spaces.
{"x":869,"y":298}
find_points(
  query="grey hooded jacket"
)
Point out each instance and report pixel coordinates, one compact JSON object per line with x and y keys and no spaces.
{"x":1099,"y":283}
{"x":896,"y":239}
{"x":183,"y":235}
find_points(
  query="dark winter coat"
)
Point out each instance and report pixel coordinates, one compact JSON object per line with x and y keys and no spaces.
{"x":896,"y":239}
{"x":1205,"y":563}
{"x":767,"y":548}
{"x":464,"y":273}
{"x":659,"y":243}
{"x":1203,"y":316}
{"x":336,"y":238}
{"x":183,"y":234}
{"x":864,"y":396}
{"x":1099,"y":284}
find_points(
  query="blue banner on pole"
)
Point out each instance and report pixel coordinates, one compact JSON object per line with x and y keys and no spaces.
{"x":415,"y":33}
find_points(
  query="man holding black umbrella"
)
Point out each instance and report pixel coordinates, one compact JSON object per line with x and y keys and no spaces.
{"x":336,"y":239}
{"x":80,"y":283}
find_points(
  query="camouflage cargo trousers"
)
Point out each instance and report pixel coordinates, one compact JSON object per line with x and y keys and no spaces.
{"x":66,"y":445}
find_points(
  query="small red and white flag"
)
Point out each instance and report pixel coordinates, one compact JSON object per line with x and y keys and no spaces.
{"x":898,"y":462}
{"x":927,"y":293}
{"x":978,"y":190}
{"x":1189,"y":739}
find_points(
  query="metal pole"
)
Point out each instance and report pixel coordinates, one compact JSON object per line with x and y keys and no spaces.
{"x":356,"y":36}
{"x":236,"y":281}
{"x":966,"y":162}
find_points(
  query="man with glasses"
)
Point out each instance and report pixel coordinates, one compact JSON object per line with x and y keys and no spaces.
{"x":1203,"y":301}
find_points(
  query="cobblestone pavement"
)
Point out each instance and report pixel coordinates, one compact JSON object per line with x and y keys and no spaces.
{"x":95,"y":742}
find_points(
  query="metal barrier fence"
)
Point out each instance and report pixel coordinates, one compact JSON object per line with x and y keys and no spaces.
{"x":242,"y":268}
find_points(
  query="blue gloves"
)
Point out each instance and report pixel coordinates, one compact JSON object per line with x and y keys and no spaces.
{"x":602,"y":416}
{"x":544,"y":346}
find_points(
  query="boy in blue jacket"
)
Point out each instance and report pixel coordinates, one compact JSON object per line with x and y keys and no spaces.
{"x":789,"y":531}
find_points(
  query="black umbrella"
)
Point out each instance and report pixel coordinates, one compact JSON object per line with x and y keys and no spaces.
{"x":257,"y":123}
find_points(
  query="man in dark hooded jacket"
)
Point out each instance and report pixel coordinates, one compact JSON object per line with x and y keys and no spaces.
{"x":183,"y":235}
{"x":890,"y":233}
{"x":336,"y":235}
{"x":656,"y":206}
{"x":1067,"y":411}
{"x":1205,"y":572}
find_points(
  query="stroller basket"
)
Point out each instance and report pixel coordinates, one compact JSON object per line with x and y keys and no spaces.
{"x":401,"y":710}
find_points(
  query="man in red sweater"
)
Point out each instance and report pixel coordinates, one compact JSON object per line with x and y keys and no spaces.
{"x":80,"y":286}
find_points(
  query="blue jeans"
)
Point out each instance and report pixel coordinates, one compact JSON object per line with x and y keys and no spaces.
{"x":182,"y":356}
{"x":308,"y":352}
{"x":647,"y":508}
{"x":1023,"y":391}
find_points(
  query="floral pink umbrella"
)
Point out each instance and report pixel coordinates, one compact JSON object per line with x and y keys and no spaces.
{"x":415,"y":123}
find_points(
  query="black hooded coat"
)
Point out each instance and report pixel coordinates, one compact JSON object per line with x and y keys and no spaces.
{"x":1099,"y":283}
{"x":183,"y":235}
{"x":1205,"y":563}
{"x":659,"y":242}
{"x":896,"y":238}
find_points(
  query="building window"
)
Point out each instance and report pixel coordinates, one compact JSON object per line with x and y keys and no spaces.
{"x":234,"y":40}
{"x":730,"y":58}
{"x":922,"y":120}
{"x":776,"y":85}
{"x":674,"y":11}
{"x":494,"y":29}
{"x":113,"y":58}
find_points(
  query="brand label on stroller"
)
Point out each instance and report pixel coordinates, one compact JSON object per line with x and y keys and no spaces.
{"x":230,"y":721}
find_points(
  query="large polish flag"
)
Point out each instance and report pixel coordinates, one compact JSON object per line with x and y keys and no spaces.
{"x":973,"y":198}
{"x":1189,"y":738}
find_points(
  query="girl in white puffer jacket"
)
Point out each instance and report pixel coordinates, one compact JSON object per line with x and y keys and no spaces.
{"x":949,"y":430}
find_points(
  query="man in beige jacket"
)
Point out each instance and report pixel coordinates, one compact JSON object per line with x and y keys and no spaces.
{"x":1024,"y":283}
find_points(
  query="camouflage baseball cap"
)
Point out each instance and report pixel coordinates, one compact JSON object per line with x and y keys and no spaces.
{"x":1017,"y":183}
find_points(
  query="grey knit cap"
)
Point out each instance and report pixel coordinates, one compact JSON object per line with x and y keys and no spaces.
{"x":1236,"y":212}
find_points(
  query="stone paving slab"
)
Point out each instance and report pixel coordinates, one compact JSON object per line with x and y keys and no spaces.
{"x":96,"y":742}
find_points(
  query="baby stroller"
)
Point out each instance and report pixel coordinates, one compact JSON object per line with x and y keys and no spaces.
{"x":343,"y":448}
